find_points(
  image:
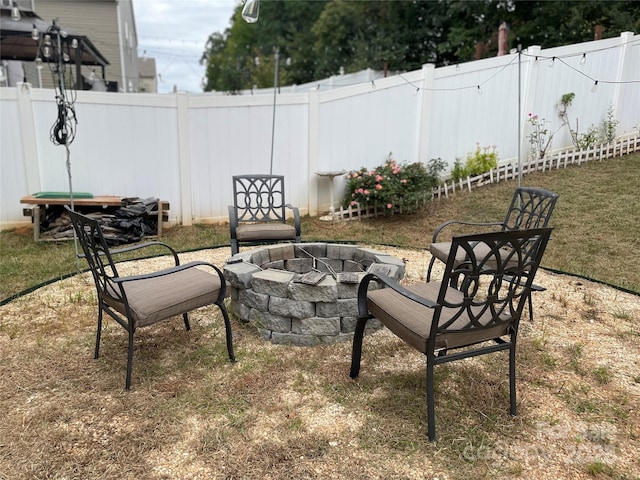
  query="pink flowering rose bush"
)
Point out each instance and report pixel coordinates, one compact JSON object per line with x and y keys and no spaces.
{"x":392,"y":184}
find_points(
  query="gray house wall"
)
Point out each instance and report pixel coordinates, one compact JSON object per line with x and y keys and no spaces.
{"x":110,"y":25}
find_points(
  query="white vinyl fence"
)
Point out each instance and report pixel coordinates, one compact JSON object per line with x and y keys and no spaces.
{"x":184,"y":148}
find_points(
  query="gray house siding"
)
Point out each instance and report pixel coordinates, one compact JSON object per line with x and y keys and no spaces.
{"x":110,"y":25}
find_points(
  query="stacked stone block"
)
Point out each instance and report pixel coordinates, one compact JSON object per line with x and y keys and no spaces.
{"x":266,"y":291}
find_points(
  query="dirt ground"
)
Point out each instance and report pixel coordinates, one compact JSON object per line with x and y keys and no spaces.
{"x":66,"y":415}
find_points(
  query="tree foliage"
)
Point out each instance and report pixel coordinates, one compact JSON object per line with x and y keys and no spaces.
{"x":320,"y":38}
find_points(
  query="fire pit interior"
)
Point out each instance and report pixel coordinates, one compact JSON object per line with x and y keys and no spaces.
{"x":304,"y":294}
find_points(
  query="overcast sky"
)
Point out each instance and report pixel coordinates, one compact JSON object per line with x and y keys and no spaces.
{"x":174,"y":32}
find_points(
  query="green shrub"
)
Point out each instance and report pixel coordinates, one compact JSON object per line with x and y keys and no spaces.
{"x":392,"y":184}
{"x":478,"y":162}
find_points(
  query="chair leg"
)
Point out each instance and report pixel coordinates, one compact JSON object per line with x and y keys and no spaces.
{"x":356,"y":351}
{"x":512,"y":378}
{"x":129,"y":361}
{"x":433,"y":260}
{"x":530,"y":307}
{"x":99,"y":332}
{"x":234,"y":246}
{"x":229,"y":334}
{"x":185,"y":316}
{"x":431,"y":411}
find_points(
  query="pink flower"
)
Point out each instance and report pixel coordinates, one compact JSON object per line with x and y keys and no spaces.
{"x":378,"y":186}
{"x":396,"y":171}
{"x":389,"y":205}
{"x":360,"y":190}
{"x":366,"y":192}
{"x":379,"y":178}
{"x":353,"y":203}
{"x":372,"y":173}
{"x":355,"y":174}
{"x":403,"y":181}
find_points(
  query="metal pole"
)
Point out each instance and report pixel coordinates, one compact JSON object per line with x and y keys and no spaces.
{"x":519,"y":112}
{"x":275,"y":92}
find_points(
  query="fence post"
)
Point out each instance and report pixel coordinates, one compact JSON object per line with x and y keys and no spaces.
{"x":184,"y":159}
{"x":28,"y":130}
{"x":428,"y":74}
{"x":623,"y":70}
{"x":314,"y":109}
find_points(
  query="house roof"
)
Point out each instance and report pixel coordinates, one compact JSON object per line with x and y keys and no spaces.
{"x":16,"y":42}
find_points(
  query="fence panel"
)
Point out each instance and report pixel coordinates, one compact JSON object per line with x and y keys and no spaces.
{"x":185,"y":148}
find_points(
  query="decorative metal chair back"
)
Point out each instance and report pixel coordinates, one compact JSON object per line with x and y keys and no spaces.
{"x":495,"y":285}
{"x":446,"y":323}
{"x":259,"y":198}
{"x":96,"y":252}
{"x":147,"y":298}
{"x":530,"y":208}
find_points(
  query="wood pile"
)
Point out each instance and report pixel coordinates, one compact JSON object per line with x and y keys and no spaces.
{"x":129,"y":223}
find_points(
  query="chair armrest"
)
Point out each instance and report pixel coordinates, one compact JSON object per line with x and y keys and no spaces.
{"x":462,"y":222}
{"x":534,"y":287}
{"x":296,"y":217}
{"x":144,"y":245}
{"x":169,"y":271}
{"x":233,"y":220}
{"x":391,"y":283}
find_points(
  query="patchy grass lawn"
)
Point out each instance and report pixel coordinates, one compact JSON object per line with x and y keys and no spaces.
{"x":286,"y":412}
{"x":291,"y":412}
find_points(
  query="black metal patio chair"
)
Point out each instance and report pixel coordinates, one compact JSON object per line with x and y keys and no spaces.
{"x":530,"y":208}
{"x":141,"y":300}
{"x":444,"y":323}
{"x":258,"y":213}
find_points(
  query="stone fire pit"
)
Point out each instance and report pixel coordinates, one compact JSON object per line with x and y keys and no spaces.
{"x":304,"y":294}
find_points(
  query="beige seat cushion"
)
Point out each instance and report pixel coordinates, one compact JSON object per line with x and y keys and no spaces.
{"x":412,"y":322}
{"x":155,"y":299}
{"x":440,"y":250}
{"x":265,"y":231}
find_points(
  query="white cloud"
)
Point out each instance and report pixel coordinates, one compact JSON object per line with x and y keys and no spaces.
{"x":175,"y":32}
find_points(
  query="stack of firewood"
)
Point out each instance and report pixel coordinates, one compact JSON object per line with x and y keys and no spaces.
{"x":129,"y":223}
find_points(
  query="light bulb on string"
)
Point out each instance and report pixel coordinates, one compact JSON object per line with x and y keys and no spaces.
{"x":535,"y":62}
{"x":594,"y":89}
{"x":15,"y":14}
{"x":583,"y":60}
{"x":553,"y":60}
{"x":250,"y":11}
{"x":46,"y":51}
{"x":47,"y":39}
{"x":35,"y":33}
{"x":38,"y":62}
{"x":74,"y":43}
{"x":479,"y":90}
{"x":65,"y":57}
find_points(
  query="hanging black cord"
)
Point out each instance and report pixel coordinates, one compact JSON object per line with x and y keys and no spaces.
{"x":63,"y":131}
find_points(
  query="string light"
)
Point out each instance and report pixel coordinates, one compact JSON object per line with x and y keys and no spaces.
{"x":553,"y":60}
{"x":583,"y":60}
{"x":479,"y":90}
{"x":594,"y":89}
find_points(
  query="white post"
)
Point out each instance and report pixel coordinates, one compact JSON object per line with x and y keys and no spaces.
{"x":184,"y":159}
{"x":312,"y":181}
{"x":428,"y":74}
{"x":28,"y":135}
{"x":625,"y":61}
{"x":529,"y":81}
